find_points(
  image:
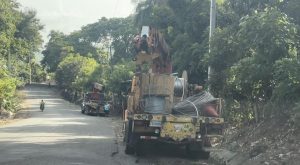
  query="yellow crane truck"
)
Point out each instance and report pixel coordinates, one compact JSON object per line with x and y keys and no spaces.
{"x":159,"y":107}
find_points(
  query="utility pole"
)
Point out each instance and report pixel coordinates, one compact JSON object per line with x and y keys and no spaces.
{"x":211,"y":32}
{"x":110,"y":55}
{"x":29,"y":69}
{"x":8,"y":61}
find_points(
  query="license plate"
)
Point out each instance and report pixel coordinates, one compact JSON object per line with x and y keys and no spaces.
{"x":155,"y":124}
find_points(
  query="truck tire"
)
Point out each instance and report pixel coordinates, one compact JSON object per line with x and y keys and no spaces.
{"x":207,"y":144}
{"x":189,"y":151}
{"x":204,"y":154}
{"x":125,"y":128}
{"x":133,"y":146}
{"x":196,"y":152}
{"x":139,"y":148}
{"x":87,"y":110}
{"x":129,"y":139}
{"x":129,"y":150}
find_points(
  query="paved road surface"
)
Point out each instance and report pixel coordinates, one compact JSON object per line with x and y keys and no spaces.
{"x":61,"y":135}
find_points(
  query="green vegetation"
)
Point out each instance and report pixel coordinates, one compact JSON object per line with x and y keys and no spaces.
{"x":99,"y":52}
{"x":259,"y":46}
{"x":7,"y":90}
{"x":254,"y":51}
{"x":74,"y":71}
{"x":20,"y":39}
{"x":120,"y":73}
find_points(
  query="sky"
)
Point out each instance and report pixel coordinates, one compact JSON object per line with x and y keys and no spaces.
{"x":70,"y":15}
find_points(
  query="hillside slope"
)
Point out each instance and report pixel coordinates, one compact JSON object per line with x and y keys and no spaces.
{"x":274,"y":141}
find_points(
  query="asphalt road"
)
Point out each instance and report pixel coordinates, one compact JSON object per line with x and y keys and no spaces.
{"x":61,"y":135}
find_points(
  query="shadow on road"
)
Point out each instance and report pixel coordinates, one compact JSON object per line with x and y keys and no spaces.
{"x":59,"y":135}
{"x":62,"y":135}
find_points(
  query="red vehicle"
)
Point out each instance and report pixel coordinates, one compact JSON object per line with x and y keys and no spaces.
{"x":93,"y":102}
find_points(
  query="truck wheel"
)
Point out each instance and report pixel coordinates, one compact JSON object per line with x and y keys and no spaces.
{"x":196,"y":151}
{"x":139,"y":148}
{"x":125,"y":136}
{"x":206,"y":144}
{"x":204,"y":154}
{"x":189,"y":151}
{"x":130,"y":139}
{"x":87,"y":111}
{"x":133,"y":146}
{"x":129,"y":150}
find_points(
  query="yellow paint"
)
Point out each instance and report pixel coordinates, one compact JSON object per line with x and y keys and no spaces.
{"x":178,"y":131}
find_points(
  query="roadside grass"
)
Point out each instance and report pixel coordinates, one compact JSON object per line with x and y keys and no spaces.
{"x":13,"y":114}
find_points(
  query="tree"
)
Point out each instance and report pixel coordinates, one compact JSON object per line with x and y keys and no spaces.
{"x":108,"y":40}
{"x":74,"y":71}
{"x":38,"y":73}
{"x":291,"y":8}
{"x":20,"y":39}
{"x":184,"y":24}
{"x":7,"y":88}
{"x":286,"y":92}
{"x":9,"y":17}
{"x":119,"y":74}
{"x":113,"y":35}
{"x":245,"y":57}
{"x":53,"y":54}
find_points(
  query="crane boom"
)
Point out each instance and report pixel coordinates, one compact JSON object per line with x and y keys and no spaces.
{"x":152,"y":48}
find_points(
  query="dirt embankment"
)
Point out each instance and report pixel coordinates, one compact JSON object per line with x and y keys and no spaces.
{"x":275,"y":141}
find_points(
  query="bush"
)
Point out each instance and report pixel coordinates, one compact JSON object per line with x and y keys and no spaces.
{"x":7,"y":94}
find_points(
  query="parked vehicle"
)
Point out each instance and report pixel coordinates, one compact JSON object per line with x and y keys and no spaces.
{"x":162,"y":107}
{"x":93,"y":102}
